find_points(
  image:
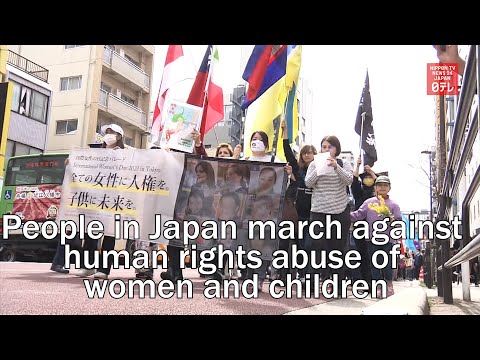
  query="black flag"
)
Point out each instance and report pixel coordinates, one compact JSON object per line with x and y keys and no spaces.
{"x":364,"y":127}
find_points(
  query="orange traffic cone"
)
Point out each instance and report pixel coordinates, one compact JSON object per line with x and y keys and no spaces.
{"x":421,"y":275}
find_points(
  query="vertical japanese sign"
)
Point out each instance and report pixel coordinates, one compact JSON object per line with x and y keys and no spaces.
{"x":442,"y":79}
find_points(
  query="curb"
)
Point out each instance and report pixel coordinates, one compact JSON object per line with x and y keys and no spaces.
{"x":411,"y":301}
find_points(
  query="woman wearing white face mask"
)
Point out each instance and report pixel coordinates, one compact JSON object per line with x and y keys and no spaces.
{"x":112,"y":139}
{"x":259,"y":146}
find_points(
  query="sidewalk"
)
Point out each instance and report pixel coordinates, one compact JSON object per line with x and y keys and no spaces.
{"x":459,"y":306}
{"x":353,"y":306}
{"x":411,"y":298}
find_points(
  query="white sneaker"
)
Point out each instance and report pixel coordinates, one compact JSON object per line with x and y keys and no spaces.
{"x":86,"y":272}
{"x":100,"y":275}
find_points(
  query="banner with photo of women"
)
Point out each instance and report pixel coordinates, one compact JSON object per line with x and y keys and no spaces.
{"x":227,"y":189}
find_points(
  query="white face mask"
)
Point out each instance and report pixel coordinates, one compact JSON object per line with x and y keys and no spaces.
{"x":257,"y":145}
{"x":110,"y":139}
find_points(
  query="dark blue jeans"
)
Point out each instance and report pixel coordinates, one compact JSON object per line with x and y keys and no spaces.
{"x":59,"y":258}
{"x":387,"y":272}
{"x":304,"y":244}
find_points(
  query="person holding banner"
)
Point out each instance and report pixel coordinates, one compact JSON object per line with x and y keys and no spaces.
{"x":112,"y":139}
{"x":205,"y":184}
{"x":259,"y":145}
{"x":329,"y":198}
{"x":297,"y":191}
{"x":223,"y":150}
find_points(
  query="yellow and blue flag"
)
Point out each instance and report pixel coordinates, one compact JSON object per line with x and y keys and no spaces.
{"x":289,"y":96}
{"x":278,"y":99}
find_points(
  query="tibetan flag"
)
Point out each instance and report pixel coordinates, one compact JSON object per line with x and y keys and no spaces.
{"x":265,"y":67}
{"x":174,"y":71}
{"x":364,"y":127}
{"x":212,"y":100}
{"x":289,"y":96}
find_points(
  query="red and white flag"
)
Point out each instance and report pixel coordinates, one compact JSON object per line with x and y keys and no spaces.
{"x":174,"y":71}
{"x":209,"y":72}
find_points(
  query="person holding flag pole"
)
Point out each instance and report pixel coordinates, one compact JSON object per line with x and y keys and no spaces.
{"x":175,"y":71}
{"x":205,"y":93}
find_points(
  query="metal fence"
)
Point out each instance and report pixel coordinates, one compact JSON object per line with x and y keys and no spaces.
{"x":28,"y":66}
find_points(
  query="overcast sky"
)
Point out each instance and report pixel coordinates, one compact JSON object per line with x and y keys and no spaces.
{"x":403,"y":113}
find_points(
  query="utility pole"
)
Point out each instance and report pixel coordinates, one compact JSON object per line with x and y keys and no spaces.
{"x":429,"y":153}
{"x":428,"y":268}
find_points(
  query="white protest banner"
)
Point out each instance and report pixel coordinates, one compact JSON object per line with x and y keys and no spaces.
{"x":134,"y":183}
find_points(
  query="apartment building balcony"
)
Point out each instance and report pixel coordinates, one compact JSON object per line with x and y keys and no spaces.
{"x":115,"y":107}
{"x":150,"y":49}
{"x":27,"y":66}
{"x":122,"y":69}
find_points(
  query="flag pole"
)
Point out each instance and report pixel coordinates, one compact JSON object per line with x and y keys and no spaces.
{"x":215,"y":132}
{"x":276,"y":129}
{"x":361,"y":134}
{"x":206,"y":89}
{"x":208,"y":77}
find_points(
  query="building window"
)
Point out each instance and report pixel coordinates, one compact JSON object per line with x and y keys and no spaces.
{"x":25,"y":101}
{"x":30,"y":103}
{"x":128,"y":141}
{"x":128,"y":99}
{"x":73,"y":46}
{"x":129,"y":58}
{"x":70,"y":83}
{"x":106,"y":87}
{"x":39,"y":106}
{"x":17,"y":88}
{"x":66,"y":127}
{"x":15,"y":148}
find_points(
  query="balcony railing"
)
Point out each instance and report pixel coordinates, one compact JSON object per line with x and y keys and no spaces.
{"x":28,"y":66}
{"x":122,"y":109}
{"x":126,"y":68}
